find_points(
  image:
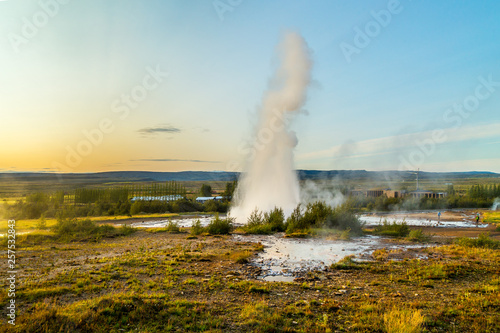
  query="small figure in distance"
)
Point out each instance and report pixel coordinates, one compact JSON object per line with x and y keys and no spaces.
{"x":439,"y":217}
{"x":477,"y":220}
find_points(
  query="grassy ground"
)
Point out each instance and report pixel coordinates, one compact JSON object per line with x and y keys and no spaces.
{"x":23,"y":226}
{"x":26,"y":225}
{"x":491,"y":217}
{"x":126,"y":217}
{"x":160,"y":282}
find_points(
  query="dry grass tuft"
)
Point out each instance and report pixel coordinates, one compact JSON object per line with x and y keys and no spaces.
{"x":407,"y":321}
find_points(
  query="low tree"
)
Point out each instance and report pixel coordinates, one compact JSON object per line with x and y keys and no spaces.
{"x":206,"y":190}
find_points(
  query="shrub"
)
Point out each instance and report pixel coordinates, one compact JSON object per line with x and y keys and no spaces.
{"x":196,"y":228}
{"x":255,"y":218}
{"x":215,"y":206}
{"x":275,"y":218}
{"x":394,"y":229}
{"x":267,"y":223}
{"x":220,"y":226}
{"x":241,"y":257}
{"x":316,"y":213}
{"x":347,"y":263}
{"x":343,"y":218}
{"x":258,"y":229}
{"x":172,"y":227}
{"x":80,"y":230}
{"x":417,"y":235}
{"x":126,"y":230}
{"x":483,"y":241}
{"x":319,"y":215}
{"x":295,"y":222}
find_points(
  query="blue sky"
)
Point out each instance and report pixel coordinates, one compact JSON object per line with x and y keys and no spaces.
{"x":421,"y":90}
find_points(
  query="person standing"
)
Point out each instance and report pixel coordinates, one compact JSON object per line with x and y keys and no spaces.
{"x":439,"y":217}
{"x":477,"y":219}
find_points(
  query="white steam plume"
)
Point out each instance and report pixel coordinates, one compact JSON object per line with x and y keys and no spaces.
{"x":321,"y":191}
{"x":496,"y":204}
{"x":270,"y":180}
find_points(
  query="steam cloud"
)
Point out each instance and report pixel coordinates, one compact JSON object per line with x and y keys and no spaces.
{"x":270,"y":180}
{"x":321,"y":191}
{"x":496,"y":204}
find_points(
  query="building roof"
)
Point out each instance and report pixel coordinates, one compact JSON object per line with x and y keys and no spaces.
{"x":208,"y":198}
{"x":159,"y":198}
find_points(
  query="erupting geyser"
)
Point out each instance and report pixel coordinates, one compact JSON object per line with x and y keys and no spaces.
{"x":496,"y":204}
{"x":270,"y":179}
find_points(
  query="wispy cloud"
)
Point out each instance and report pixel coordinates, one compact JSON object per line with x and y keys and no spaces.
{"x":162,"y":129}
{"x":171,"y":160}
{"x":385,"y":145}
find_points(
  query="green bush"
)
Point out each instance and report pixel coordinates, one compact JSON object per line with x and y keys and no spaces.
{"x":394,"y":229}
{"x":295,"y":223}
{"x":215,"y":206}
{"x":347,"y":263}
{"x":81,"y":230}
{"x":417,"y":235}
{"x":319,"y":215}
{"x":276,"y":219}
{"x":343,"y":218}
{"x":196,"y":228}
{"x":316,"y":213}
{"x":256,"y":225}
{"x":265,"y":224}
{"x":483,"y":241}
{"x":172,"y":227}
{"x":220,"y":226}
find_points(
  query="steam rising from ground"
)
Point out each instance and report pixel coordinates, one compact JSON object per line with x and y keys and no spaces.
{"x":321,"y":191}
{"x":270,"y":179}
{"x":496,"y":204}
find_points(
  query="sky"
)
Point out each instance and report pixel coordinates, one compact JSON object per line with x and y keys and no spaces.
{"x":167,"y":85}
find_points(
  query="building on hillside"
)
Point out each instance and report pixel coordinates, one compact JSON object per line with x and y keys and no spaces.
{"x":394,"y":193}
{"x":375,"y":193}
{"x":426,"y":194}
{"x":357,"y":193}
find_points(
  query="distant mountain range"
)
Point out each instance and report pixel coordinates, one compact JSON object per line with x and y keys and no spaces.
{"x":143,"y":176}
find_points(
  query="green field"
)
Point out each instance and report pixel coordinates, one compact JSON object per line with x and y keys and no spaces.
{"x":31,"y":225}
{"x":76,"y":276}
{"x":492,"y":217}
{"x":163,"y":282}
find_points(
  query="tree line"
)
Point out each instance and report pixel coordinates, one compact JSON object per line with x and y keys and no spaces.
{"x":123,"y":193}
{"x":114,"y":201}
